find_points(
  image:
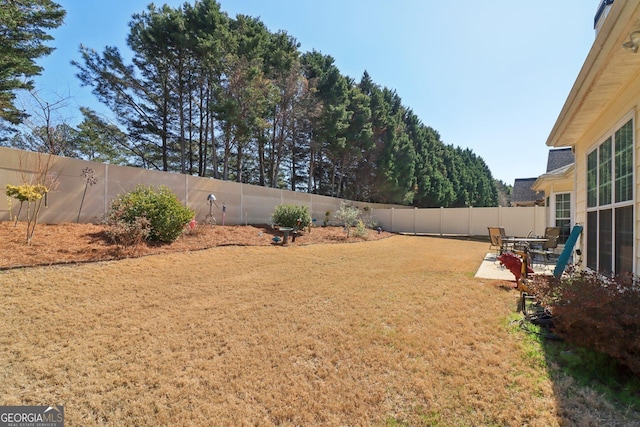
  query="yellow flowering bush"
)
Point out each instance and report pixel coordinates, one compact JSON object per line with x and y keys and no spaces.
{"x":32,"y":194}
{"x":26,"y":192}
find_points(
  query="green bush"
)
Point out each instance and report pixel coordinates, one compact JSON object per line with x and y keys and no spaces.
{"x":161,"y":208}
{"x":291,"y":215}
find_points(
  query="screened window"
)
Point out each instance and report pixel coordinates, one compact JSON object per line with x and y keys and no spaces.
{"x":610,"y":203}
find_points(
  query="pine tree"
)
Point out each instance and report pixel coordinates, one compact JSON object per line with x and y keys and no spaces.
{"x":22,"y":37}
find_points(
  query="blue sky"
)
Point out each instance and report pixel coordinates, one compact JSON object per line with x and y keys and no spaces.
{"x":491,"y":76}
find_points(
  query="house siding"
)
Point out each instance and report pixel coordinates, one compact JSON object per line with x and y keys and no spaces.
{"x":619,"y":110}
{"x":636,"y":207}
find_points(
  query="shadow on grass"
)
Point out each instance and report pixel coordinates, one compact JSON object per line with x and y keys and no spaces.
{"x":591,"y":388}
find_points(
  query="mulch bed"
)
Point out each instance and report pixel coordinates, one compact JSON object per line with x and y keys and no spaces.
{"x":74,"y":243}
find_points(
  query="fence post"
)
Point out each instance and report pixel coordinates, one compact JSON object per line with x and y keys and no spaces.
{"x":106,"y":188}
{"x":186,"y":189}
{"x":241,"y":201}
{"x":392,"y":229}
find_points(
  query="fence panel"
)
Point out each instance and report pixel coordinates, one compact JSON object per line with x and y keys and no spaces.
{"x":462,"y":221}
{"x":245,"y":204}
{"x":456,"y":221}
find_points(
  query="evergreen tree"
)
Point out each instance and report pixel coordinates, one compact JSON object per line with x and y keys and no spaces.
{"x":280,"y":59}
{"x":210,"y":94}
{"x":358,"y":142}
{"x":331,"y":93}
{"x":98,"y":141}
{"x":22,"y":42}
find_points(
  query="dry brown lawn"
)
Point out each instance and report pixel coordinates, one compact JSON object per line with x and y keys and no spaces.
{"x":386,"y":332}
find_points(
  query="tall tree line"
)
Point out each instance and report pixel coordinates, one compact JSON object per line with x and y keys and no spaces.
{"x":211,"y":95}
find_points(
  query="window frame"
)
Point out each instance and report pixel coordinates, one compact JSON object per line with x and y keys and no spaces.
{"x":603,"y":204}
{"x":566,"y":207}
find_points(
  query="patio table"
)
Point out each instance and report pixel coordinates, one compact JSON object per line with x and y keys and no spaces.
{"x":524,"y":242}
{"x":524,"y":239}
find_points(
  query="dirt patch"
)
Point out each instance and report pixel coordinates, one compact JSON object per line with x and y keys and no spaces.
{"x":73,"y":243}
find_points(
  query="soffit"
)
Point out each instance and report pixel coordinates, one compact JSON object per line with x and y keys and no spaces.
{"x":562,"y":174}
{"x":608,"y":69}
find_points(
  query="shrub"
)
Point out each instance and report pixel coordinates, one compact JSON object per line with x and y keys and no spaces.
{"x":348,"y":216}
{"x":367,"y":218}
{"x":361,"y":229}
{"x":161,"y":208}
{"x":595,"y":312}
{"x":127,"y":234}
{"x":290,"y":215}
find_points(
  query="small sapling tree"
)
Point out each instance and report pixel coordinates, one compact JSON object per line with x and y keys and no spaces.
{"x":33,"y":191}
{"x":34,"y":196}
{"x":348,"y":216}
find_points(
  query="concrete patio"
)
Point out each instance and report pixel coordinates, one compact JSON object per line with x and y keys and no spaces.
{"x":491,"y":268}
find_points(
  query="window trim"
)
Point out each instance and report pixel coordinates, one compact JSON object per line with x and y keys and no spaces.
{"x":613,"y":205}
{"x":570,"y":195}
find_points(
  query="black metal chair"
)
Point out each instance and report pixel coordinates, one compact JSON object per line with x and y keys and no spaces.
{"x":547,"y":251}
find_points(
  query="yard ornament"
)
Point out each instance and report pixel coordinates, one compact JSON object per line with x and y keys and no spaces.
{"x":513,"y":264}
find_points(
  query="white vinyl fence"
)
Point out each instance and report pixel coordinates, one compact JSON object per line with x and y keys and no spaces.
{"x":517,"y":221}
{"x":244,"y":203}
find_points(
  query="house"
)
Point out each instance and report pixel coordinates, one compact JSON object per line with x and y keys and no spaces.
{"x":557,"y":185}
{"x":599,"y":122}
{"x":523,"y":195}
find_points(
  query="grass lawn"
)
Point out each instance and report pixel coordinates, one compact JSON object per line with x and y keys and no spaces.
{"x":388,"y":332}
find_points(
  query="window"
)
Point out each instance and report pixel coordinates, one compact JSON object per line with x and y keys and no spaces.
{"x":610,"y":203}
{"x":563,"y":215}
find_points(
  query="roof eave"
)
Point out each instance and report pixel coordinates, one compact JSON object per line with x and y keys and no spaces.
{"x":560,"y":174}
{"x":605,"y":49}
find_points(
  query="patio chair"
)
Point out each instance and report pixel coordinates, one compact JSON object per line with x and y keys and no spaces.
{"x":552,"y":232}
{"x":496,"y":234}
{"x":549,"y":232}
{"x":547,"y":251}
{"x":494,"y":237}
{"x":496,"y":240}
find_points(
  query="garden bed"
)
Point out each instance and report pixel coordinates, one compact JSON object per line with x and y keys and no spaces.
{"x":70,"y":243}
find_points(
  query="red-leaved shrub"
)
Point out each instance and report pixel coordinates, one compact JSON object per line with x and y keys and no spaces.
{"x":594,"y":311}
